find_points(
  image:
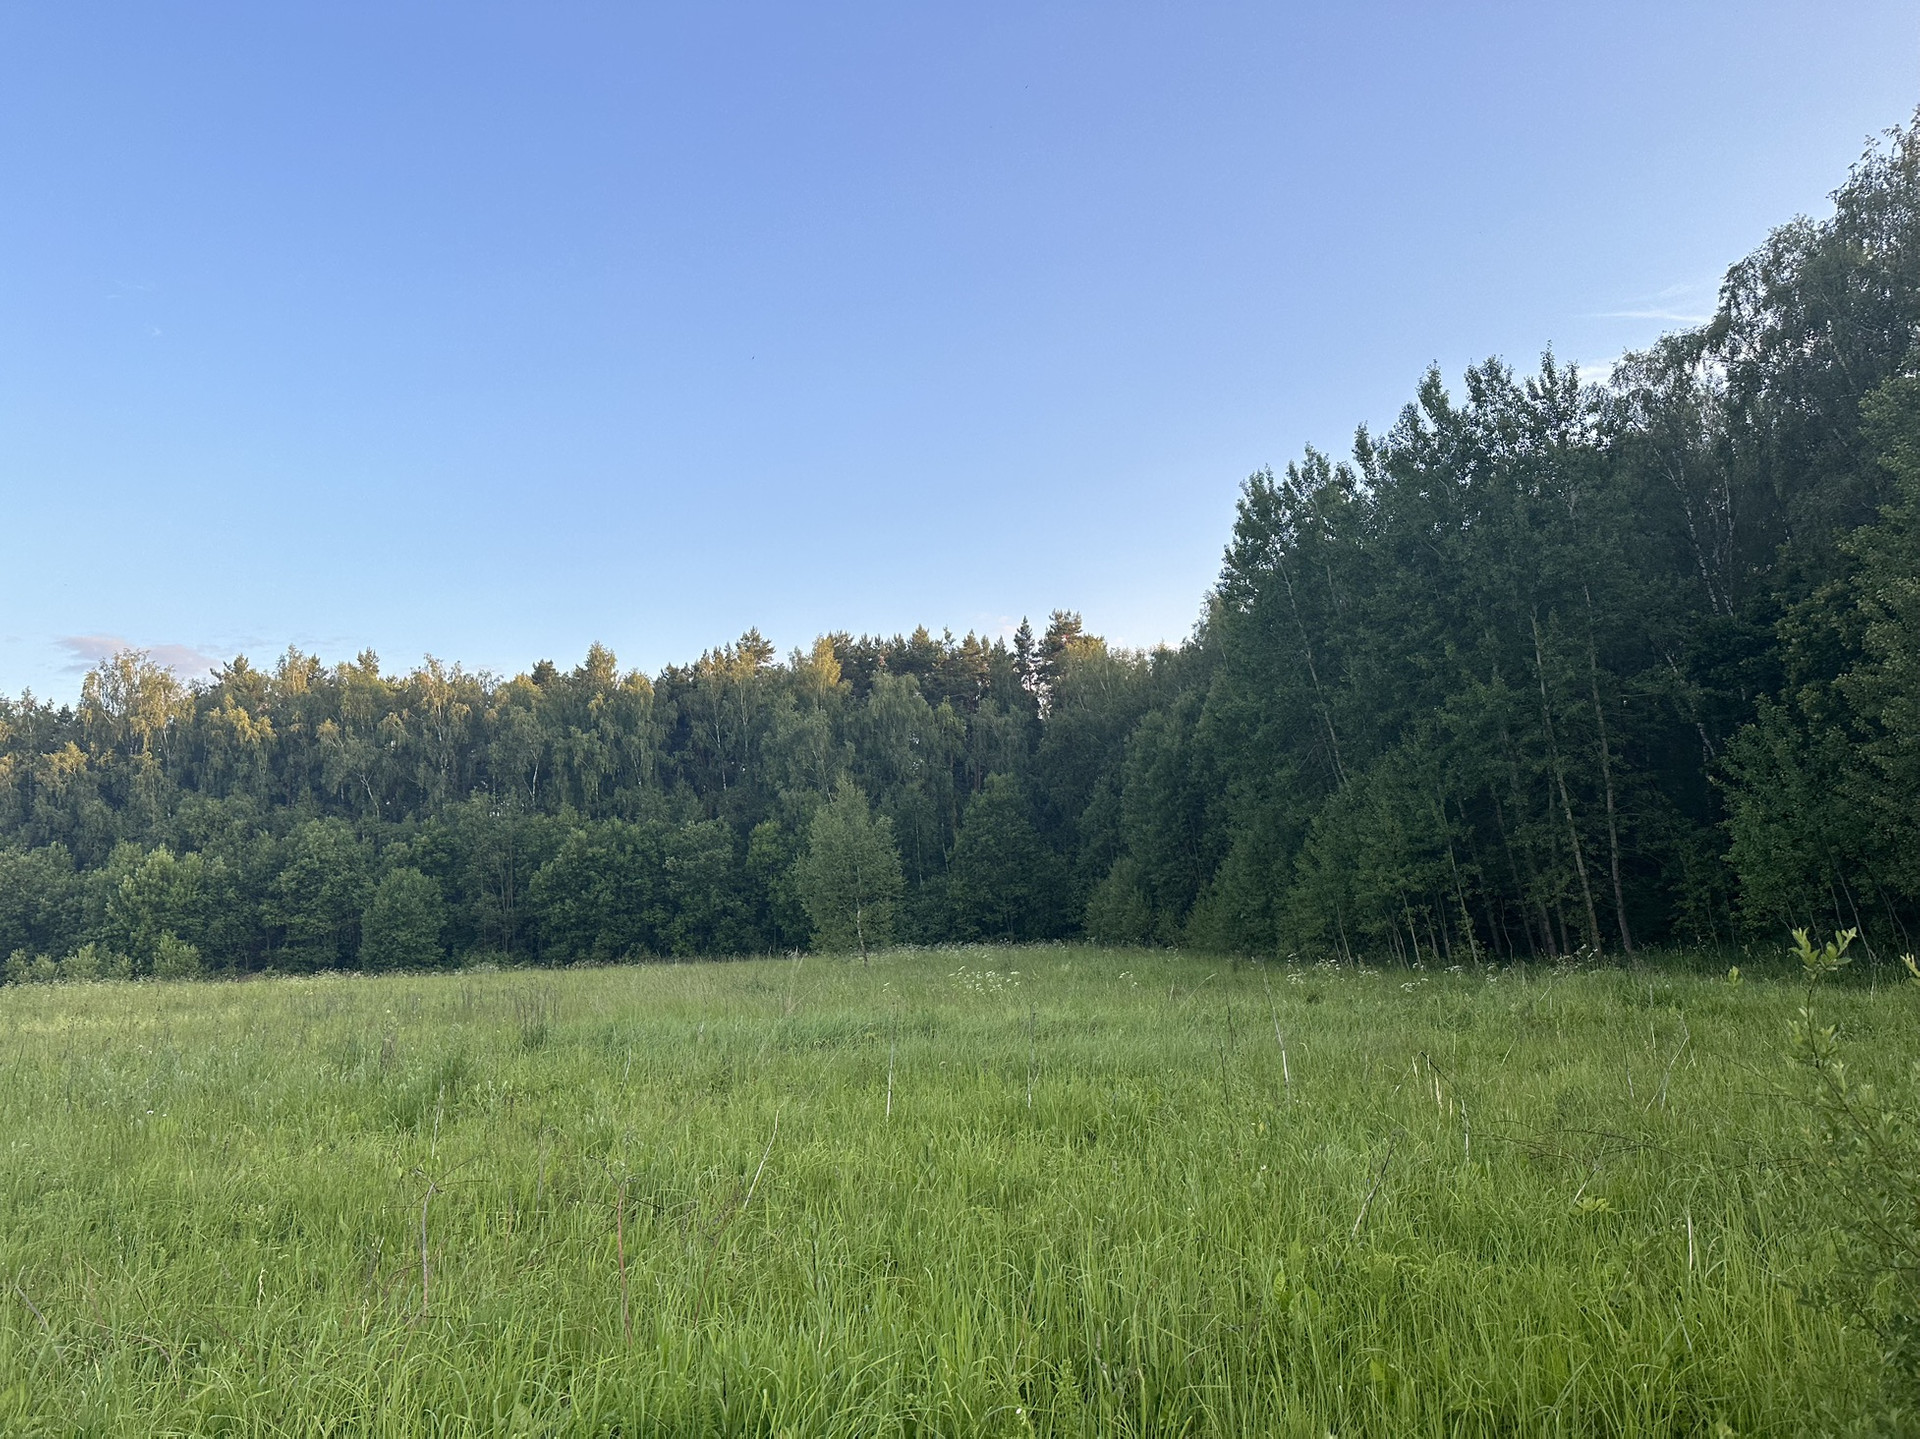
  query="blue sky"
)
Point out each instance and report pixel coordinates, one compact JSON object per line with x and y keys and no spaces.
{"x":491,"y":330}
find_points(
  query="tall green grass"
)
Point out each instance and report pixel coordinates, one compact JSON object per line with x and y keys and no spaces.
{"x":1118,"y":1192}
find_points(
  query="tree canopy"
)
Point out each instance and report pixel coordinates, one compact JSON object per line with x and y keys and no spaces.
{"x":849,"y":878}
{"x":1555,"y":663}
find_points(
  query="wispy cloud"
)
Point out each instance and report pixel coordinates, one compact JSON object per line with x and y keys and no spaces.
{"x":86,"y":651}
{"x":1689,"y":304}
{"x":1597,"y":371}
{"x":1678,"y":317}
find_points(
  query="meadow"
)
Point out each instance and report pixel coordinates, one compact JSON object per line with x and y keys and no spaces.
{"x":996,"y":1191}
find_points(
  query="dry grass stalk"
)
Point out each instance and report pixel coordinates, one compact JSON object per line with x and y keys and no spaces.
{"x":620,"y":1246}
{"x":1378,"y":1179}
{"x":62,"y":1353}
{"x":1286,"y":1069}
{"x":1033,"y":1057}
{"x":426,"y":1268}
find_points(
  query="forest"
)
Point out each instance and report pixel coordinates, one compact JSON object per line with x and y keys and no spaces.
{"x":1553,"y":665}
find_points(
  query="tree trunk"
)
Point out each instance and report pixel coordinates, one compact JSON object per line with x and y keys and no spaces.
{"x":1313,"y":673}
{"x":1566,"y":800}
{"x":1606,"y":775}
{"x":1459,"y":890}
{"x":1525,"y":889}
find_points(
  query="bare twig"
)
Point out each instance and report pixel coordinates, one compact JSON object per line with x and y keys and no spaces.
{"x":727,"y":1214}
{"x":1591,"y":1174}
{"x":1686,"y":1035}
{"x":62,"y":1353}
{"x":1033,"y":1057}
{"x":1466,"y":1125}
{"x":1378,"y":1179}
{"x":434,"y":1186}
{"x":1286,"y":1070}
{"x":763,"y":1162}
{"x":620,"y":1244}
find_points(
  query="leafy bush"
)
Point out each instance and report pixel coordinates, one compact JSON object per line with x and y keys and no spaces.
{"x":85,"y":963}
{"x":174,"y":958}
{"x":1866,"y":1153}
{"x":25,"y":968}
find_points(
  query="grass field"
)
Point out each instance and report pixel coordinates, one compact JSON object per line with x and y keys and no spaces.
{"x":1055,"y":1190}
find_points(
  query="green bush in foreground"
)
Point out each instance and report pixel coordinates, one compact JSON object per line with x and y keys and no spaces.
{"x":1116,"y":1192}
{"x":1866,"y":1154}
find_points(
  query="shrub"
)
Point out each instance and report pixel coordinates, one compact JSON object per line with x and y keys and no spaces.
{"x":1867,"y":1162}
{"x":174,"y":958}
{"x":85,"y":963}
{"x":24,"y":968}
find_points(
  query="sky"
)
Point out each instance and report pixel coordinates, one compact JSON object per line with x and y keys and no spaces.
{"x":488,"y":330}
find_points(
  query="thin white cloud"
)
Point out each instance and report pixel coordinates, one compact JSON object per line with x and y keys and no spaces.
{"x":86,"y":651}
{"x":1673,"y":305}
{"x":185,"y":661}
{"x":1678,"y":317}
{"x":1597,"y":372}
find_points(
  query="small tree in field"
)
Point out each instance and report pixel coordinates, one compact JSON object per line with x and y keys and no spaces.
{"x":849,"y":878}
{"x":403,"y":923}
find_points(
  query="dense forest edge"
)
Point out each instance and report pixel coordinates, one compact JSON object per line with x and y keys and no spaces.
{"x":1551,"y":667}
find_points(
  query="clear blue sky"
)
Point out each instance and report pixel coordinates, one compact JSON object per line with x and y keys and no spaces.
{"x":490,"y":330}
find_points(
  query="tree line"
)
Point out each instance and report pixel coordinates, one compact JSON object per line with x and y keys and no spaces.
{"x":1549,"y":666}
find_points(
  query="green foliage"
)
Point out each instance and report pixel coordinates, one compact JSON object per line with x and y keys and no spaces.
{"x":1117,"y":910}
{"x":403,"y":923}
{"x":174,"y":958}
{"x":1004,"y":882}
{"x":619,"y":890}
{"x":91,"y":962}
{"x":41,"y":899}
{"x":314,"y":903}
{"x":773,"y":855}
{"x":1866,"y":1168}
{"x":849,"y":879}
{"x":149,"y":897}
{"x":905,"y":752}
{"x":1551,"y":667}
{"x":86,"y":964}
{"x":23,"y":967}
{"x":1827,"y":960}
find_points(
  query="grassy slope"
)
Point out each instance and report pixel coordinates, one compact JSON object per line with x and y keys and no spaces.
{"x":212,"y":1195}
